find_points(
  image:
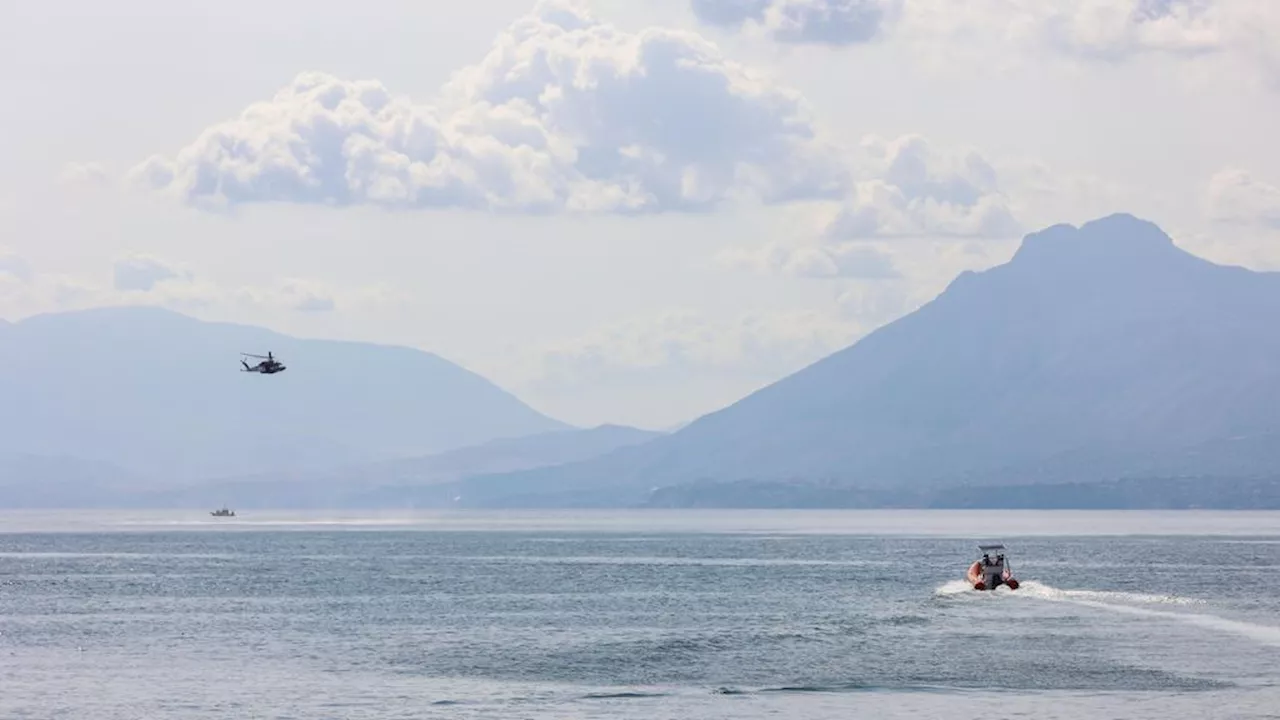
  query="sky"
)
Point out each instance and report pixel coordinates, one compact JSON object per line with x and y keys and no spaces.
{"x":623,"y":212}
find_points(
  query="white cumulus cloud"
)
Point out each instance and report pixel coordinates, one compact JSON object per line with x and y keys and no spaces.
{"x":84,"y":173}
{"x":303,"y":296}
{"x":13,"y":267}
{"x":906,"y":188}
{"x":142,"y":279}
{"x":814,"y":22}
{"x":143,"y":272}
{"x":291,"y":294}
{"x":914,"y":190}
{"x":770,"y":344}
{"x":564,"y":113}
{"x":810,"y":259}
{"x":1236,"y":196}
{"x":1113,"y":30}
{"x":1102,"y":30}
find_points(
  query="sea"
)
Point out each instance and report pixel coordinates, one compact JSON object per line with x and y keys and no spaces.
{"x":637,"y":615}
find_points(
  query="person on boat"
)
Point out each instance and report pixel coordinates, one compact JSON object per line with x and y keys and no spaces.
{"x":986,"y":560}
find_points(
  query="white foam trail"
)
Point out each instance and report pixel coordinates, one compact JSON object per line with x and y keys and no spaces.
{"x":1047,"y":592}
{"x":1265,"y":634}
{"x":962,"y":587}
{"x":1112,"y":601}
{"x":954,"y":587}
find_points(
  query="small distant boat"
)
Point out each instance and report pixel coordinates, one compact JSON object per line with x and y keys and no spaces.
{"x":988,"y":573}
{"x":224,"y":512}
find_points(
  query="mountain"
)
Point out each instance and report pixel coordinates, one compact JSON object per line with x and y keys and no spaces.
{"x":35,"y":481}
{"x":396,"y":484}
{"x":1097,"y":353}
{"x":159,"y":395}
{"x":1136,"y":493}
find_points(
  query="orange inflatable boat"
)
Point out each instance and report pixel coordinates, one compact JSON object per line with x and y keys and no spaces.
{"x":991,"y":570}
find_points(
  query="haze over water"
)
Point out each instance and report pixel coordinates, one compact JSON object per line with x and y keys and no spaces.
{"x":807,"y":614}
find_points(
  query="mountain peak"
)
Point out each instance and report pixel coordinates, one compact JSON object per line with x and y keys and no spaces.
{"x":1118,"y":250}
{"x":1099,"y":352}
{"x":1117,"y":239}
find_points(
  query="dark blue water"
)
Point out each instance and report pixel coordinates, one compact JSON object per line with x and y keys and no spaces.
{"x":319,"y":621}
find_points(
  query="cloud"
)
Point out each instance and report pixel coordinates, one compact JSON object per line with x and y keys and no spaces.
{"x":873,"y":306}
{"x":148,"y":280}
{"x":1107,"y":31}
{"x":14,"y":267}
{"x":24,"y":291}
{"x":565,"y":113}
{"x":182,"y":289}
{"x":729,"y":13}
{"x":290,"y":294}
{"x":298,"y":295}
{"x":304,"y":296}
{"x":635,"y":362}
{"x":905,"y":189}
{"x":77,"y":173}
{"x":916,"y":191}
{"x":143,"y":272}
{"x":1104,"y":30}
{"x":769,"y":344}
{"x":1113,"y":30}
{"x":835,"y":23}
{"x":856,"y":261}
{"x":1235,"y":196}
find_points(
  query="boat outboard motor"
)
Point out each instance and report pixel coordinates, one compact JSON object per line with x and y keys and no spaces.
{"x":993,"y":574}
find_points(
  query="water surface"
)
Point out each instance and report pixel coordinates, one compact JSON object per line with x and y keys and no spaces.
{"x":806,"y":614}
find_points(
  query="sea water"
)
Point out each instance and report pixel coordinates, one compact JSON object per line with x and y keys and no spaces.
{"x":786,"y":614}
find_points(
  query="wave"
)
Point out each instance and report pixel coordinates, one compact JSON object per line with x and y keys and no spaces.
{"x":832,"y":688}
{"x":843,"y":687}
{"x":851,"y":687}
{"x":623,"y":695}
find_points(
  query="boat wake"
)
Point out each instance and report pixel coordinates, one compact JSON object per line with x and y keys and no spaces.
{"x":1131,"y":603}
{"x":1031,"y":588}
{"x":955,"y":587}
{"x":1039,"y":590}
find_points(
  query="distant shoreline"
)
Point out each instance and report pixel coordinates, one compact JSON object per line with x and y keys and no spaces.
{"x":962,"y":525}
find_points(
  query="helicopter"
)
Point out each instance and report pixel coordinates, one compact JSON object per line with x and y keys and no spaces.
{"x":268,"y":366}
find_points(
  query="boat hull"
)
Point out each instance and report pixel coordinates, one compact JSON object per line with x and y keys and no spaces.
{"x":978,"y":580}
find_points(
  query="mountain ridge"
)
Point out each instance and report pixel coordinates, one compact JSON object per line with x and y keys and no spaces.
{"x":1102,"y":349}
{"x":160,"y":394}
{"x":404,"y":483}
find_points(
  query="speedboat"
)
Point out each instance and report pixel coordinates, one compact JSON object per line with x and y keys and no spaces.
{"x":991,"y":570}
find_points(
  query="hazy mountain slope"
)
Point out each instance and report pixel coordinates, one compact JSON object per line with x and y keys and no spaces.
{"x":411,"y":482}
{"x":543,"y":449}
{"x":159,"y":394}
{"x":1099,"y":351}
{"x":34,"y":481}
